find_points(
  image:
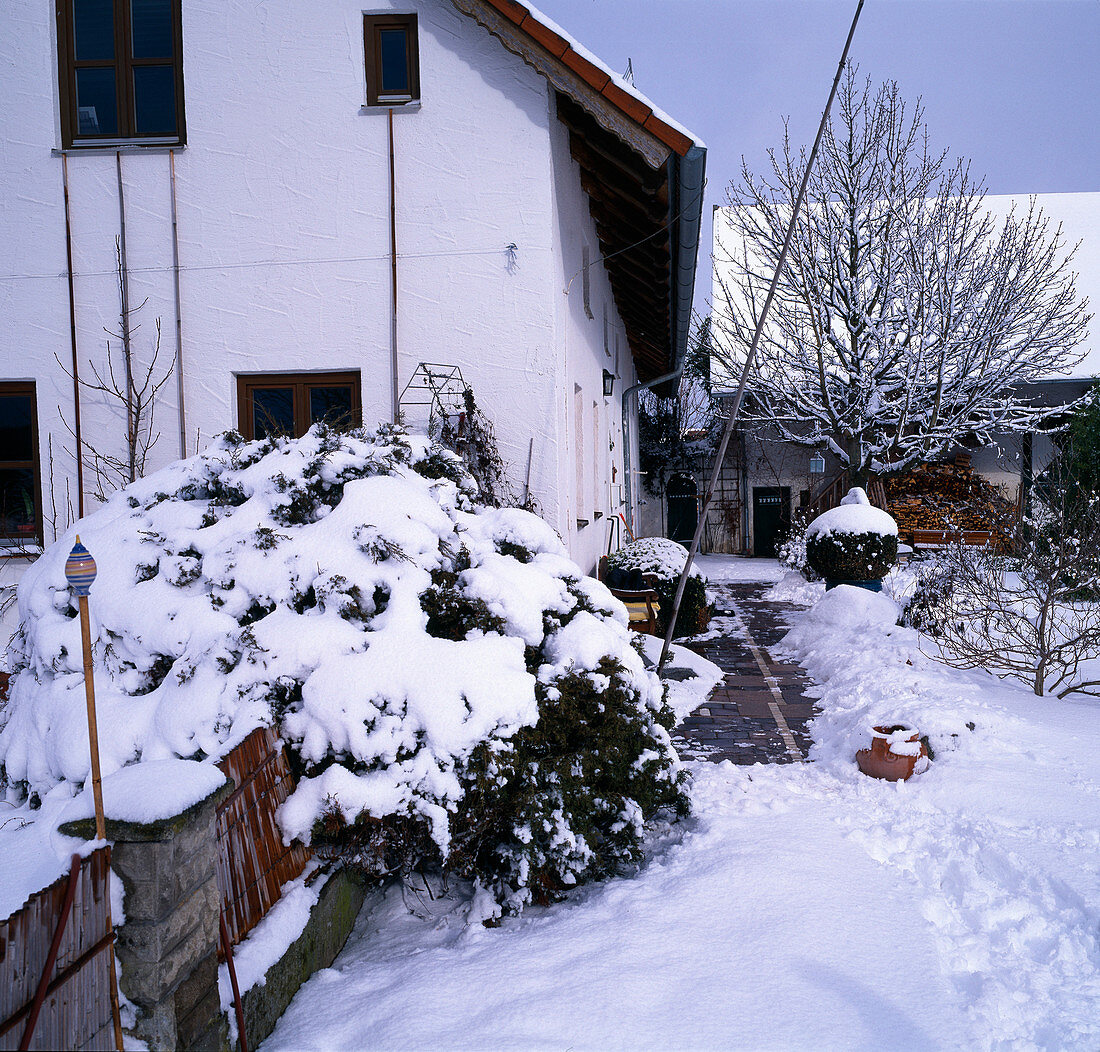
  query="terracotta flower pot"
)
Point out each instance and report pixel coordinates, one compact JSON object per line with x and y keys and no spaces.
{"x":896,"y":753}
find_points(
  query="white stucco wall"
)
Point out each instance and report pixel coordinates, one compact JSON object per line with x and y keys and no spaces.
{"x":283,"y":224}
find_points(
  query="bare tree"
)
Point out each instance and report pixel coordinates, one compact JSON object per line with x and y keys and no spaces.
{"x":904,"y":316}
{"x":675,"y":433}
{"x":133,"y":390}
{"x":1034,"y":616}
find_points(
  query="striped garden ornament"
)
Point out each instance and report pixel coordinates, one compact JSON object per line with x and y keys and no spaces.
{"x":80,"y":569}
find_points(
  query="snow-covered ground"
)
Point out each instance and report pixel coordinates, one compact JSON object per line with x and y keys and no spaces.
{"x":801,"y":906}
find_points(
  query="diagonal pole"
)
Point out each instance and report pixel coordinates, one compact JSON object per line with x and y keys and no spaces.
{"x":720,"y":456}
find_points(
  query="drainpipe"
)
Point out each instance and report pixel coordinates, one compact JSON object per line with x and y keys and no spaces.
{"x":394,"y":392}
{"x":179,"y":318}
{"x":72,"y":339}
{"x":627,"y":473}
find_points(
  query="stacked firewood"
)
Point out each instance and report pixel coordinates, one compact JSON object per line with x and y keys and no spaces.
{"x":946,"y":497}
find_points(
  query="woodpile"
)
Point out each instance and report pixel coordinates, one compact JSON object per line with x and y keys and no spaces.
{"x":947,"y":499}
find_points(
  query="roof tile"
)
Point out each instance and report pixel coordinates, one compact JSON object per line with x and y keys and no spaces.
{"x":556,"y":45}
{"x":672,"y":138}
{"x":510,"y":9}
{"x":588,"y":72}
{"x":631,"y":106}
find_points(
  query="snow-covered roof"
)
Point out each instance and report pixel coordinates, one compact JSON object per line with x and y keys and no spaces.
{"x":1079,"y":217}
{"x":613,"y":87}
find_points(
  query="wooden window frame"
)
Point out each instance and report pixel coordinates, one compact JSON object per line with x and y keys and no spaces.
{"x":373,"y":24}
{"x":9,"y":541}
{"x":300,"y":383}
{"x":124,"y":65}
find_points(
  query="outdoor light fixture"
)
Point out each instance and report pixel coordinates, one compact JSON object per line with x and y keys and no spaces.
{"x":609,"y":383}
{"x":817,"y":464}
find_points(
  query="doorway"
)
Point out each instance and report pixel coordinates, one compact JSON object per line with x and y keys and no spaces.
{"x":771,"y":518}
{"x":683,"y":509}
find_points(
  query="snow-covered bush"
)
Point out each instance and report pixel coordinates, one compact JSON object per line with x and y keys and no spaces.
{"x":663,"y":560}
{"x":791,"y":551}
{"x":452,"y":689}
{"x":852,"y":542}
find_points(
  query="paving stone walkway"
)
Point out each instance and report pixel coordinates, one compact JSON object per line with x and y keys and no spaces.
{"x":760,"y":712}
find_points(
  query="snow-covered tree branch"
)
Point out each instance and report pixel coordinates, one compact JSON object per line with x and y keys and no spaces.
{"x":906,"y":315}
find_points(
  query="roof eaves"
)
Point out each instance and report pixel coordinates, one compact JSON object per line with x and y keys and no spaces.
{"x":534,"y":24}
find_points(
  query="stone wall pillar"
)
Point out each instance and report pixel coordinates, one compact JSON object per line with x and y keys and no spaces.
{"x":168,"y":944}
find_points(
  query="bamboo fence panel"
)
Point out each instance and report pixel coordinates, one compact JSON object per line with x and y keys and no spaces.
{"x":76,"y":1012}
{"x":253,"y":862}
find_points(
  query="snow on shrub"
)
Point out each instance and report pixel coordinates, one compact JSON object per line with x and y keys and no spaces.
{"x":664,"y":559}
{"x":791,"y":551}
{"x":852,"y":542}
{"x":452,"y":689}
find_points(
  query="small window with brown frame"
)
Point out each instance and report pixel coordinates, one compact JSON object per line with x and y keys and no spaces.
{"x":290,"y":403}
{"x":120,"y":69}
{"x":20,"y":479}
{"x":392,"y":59}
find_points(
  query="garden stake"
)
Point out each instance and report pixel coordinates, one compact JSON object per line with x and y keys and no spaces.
{"x":80,"y":571}
{"x":720,"y":455}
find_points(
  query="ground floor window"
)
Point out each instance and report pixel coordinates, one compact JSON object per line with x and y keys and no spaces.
{"x":289,"y":403}
{"x":20,"y":486}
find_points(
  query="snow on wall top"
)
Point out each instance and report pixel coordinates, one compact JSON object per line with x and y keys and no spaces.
{"x":613,"y":87}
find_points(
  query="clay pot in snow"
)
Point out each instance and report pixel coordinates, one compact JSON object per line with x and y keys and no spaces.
{"x":896,"y":753}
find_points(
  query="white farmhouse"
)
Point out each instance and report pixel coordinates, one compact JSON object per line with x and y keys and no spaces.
{"x":310,"y":200}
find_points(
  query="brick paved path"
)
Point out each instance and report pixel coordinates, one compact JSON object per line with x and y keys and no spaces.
{"x":759,"y":713}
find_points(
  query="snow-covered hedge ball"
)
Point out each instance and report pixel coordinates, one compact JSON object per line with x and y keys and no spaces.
{"x":852,"y":542}
{"x":663,"y":560}
{"x":452,"y":689}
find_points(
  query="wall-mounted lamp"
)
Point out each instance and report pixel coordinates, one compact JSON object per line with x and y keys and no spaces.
{"x":817,"y":464}
{"x":608,"y":383}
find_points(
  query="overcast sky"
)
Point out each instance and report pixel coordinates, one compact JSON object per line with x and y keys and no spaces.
{"x":1010,"y":84}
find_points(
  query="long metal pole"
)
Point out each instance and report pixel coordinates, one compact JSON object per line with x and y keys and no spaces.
{"x":731,"y":422}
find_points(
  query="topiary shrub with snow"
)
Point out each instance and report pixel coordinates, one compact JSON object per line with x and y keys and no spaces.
{"x":664,"y":560}
{"x":852,"y":542}
{"x":453,"y":691}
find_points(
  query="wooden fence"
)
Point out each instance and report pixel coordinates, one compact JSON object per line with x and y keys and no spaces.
{"x":253,"y":862}
{"x":55,"y":961}
{"x":63,"y":990}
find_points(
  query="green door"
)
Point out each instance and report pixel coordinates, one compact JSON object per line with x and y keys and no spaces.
{"x":771,"y":518}
{"x":683,"y":509}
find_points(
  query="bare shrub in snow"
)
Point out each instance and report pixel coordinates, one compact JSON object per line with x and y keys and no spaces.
{"x":791,"y":551}
{"x":904,"y":316}
{"x":1034,"y":616}
{"x":454,"y":692}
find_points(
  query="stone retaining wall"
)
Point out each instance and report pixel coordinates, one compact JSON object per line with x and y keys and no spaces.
{"x":168,"y":945}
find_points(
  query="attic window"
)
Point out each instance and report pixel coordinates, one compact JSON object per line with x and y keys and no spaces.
{"x":392,"y":59}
